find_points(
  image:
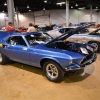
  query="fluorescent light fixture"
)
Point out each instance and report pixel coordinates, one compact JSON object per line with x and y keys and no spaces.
{"x":81,"y":8}
{"x":5,"y":4}
{"x":45,"y":1}
{"x":71,"y":6}
{"x":29,"y":10}
{"x":76,"y":4}
{"x":60,"y":3}
{"x":27,"y":6}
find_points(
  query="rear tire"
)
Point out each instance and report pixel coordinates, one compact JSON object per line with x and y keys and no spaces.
{"x":96,"y":45}
{"x":52,"y":71}
{"x":3,"y":59}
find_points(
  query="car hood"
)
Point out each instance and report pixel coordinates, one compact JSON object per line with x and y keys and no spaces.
{"x":54,"y":51}
{"x":68,"y":34}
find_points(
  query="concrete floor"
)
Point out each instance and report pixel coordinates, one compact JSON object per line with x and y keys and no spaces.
{"x":22,"y":82}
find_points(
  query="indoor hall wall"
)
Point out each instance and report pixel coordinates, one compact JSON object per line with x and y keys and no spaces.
{"x":2,"y":19}
{"x":75,"y":16}
{"x":25,"y":19}
{"x":59,"y":16}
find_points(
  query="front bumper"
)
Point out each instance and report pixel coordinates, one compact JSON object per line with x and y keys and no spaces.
{"x":75,"y":66}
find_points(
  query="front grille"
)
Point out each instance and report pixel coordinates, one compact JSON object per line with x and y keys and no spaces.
{"x":87,"y":57}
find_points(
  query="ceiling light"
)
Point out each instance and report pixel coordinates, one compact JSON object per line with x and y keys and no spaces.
{"x":27,"y":6}
{"x":45,"y":1}
{"x":29,"y":10}
{"x":81,"y":8}
{"x":71,"y":6}
{"x":43,"y":8}
{"x":60,"y":3}
{"x":5,"y":4}
{"x":76,"y":4}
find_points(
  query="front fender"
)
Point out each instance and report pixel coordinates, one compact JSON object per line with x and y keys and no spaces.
{"x":61,"y":61}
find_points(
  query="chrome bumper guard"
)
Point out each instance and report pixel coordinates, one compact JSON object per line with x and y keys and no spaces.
{"x":75,"y":66}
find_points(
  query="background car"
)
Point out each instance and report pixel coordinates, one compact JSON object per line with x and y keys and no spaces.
{"x":57,"y":32}
{"x":92,"y":38}
{"x":55,"y":56}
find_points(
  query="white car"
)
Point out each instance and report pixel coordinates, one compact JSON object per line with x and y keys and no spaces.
{"x":57,"y":32}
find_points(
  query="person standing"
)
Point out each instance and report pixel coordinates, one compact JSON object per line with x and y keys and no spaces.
{"x":9,"y":27}
{"x":31,"y":28}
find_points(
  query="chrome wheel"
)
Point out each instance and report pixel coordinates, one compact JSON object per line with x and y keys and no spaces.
{"x":0,"y":57}
{"x":95,"y":45}
{"x":52,"y":71}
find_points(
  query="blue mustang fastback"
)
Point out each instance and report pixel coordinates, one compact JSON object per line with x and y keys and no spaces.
{"x":55,"y":56}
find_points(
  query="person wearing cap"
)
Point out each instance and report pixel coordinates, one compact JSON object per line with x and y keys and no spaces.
{"x":10,"y":27}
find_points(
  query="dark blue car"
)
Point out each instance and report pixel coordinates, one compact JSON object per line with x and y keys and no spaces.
{"x":55,"y":56}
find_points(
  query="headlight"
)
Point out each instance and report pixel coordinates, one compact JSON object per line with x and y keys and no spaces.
{"x":84,"y":51}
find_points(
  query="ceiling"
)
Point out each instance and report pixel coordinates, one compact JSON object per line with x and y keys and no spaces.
{"x":36,"y":5}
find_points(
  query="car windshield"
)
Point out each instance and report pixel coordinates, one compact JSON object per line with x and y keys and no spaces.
{"x":84,"y":30}
{"x":96,"y":32}
{"x":63,"y":30}
{"x":35,"y":39}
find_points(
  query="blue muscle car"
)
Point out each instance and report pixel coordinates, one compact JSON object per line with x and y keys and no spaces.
{"x":55,"y":56}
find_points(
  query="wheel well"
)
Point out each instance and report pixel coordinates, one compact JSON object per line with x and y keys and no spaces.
{"x":93,"y":41}
{"x":46,"y":59}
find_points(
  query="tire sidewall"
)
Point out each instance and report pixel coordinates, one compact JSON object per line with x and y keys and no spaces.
{"x":60,"y":71}
{"x":4,"y":59}
{"x":98,"y":50}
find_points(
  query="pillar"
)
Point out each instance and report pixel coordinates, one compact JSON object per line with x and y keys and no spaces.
{"x":11,"y":12}
{"x":67,"y":13}
{"x":90,"y":13}
{"x":17,"y":15}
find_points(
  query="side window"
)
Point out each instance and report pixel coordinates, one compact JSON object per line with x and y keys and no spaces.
{"x":16,"y":40}
{"x":98,"y":32}
{"x":95,"y":32}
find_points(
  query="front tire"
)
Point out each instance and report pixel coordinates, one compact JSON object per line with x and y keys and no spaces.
{"x":3,"y":59}
{"x":52,"y":71}
{"x":96,"y":45}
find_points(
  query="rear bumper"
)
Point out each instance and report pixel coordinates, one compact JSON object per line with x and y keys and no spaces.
{"x":76,"y":66}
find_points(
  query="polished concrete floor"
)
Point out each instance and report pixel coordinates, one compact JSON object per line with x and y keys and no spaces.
{"x":22,"y":82}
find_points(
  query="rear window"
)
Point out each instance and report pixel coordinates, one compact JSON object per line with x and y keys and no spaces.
{"x":64,"y":30}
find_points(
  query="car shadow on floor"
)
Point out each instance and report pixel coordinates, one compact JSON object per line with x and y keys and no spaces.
{"x":29,"y":68}
{"x":68,"y":77}
{"x":80,"y":75}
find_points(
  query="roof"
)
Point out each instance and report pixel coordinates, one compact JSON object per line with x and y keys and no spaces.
{"x":69,"y":27}
{"x":24,"y":34}
{"x":36,"y":5}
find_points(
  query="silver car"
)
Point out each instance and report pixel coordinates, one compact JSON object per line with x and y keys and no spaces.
{"x":91,"y":38}
{"x":57,"y":32}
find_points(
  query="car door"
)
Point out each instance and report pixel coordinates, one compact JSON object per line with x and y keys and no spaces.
{"x":17,"y":50}
{"x":78,"y":38}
